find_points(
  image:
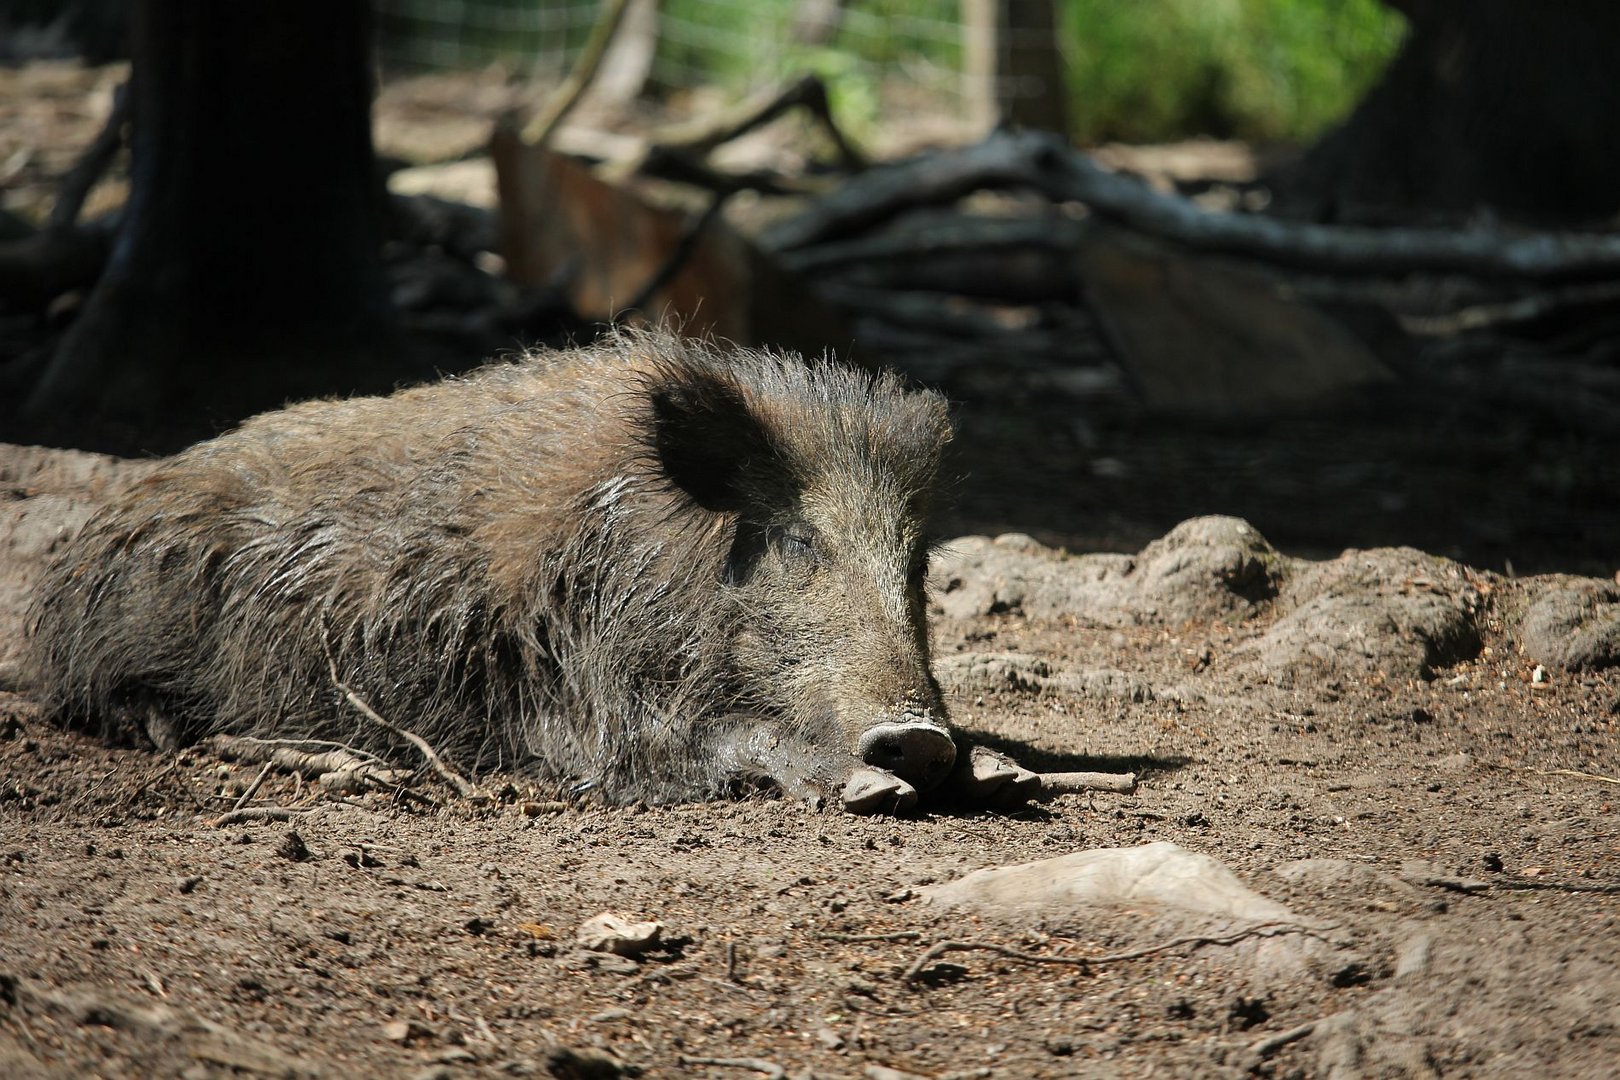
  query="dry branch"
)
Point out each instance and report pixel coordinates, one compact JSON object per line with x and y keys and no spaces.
{"x":1071,"y":783}
{"x":1044,"y":163}
{"x":759,"y":1065}
{"x":255,"y":813}
{"x":286,"y":755}
{"x":1272,"y":1043}
{"x":538,"y":131}
{"x":678,"y":257}
{"x":253,"y":788}
{"x":679,"y":154}
{"x":808,"y":92}
{"x":466,"y":788}
{"x":941,"y":236}
{"x":1258,"y":930}
{"x":1001,"y":161}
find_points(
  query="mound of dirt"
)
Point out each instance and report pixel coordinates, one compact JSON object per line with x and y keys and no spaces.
{"x":1390,"y":611}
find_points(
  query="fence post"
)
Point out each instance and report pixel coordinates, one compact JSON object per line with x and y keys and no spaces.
{"x":1012,"y":65}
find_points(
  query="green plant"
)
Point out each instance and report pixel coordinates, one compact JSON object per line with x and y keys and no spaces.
{"x":1257,"y":69}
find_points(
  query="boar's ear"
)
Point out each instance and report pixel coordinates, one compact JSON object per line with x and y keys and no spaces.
{"x":705,"y":435}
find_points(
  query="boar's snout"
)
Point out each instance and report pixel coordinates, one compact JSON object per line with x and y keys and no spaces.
{"x":916,"y":750}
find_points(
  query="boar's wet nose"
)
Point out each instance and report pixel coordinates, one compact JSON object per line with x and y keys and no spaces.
{"x":917,"y":751}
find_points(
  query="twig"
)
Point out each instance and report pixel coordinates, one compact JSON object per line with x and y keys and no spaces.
{"x":466,"y":788}
{"x":808,"y":92}
{"x":1070,"y":783}
{"x":253,"y":788}
{"x":679,"y":255}
{"x":333,"y":770}
{"x":759,"y":1065}
{"x":863,"y":939}
{"x":1520,"y":310}
{"x":1596,"y":778}
{"x":1272,"y":1043}
{"x":942,"y":948}
{"x":1604,"y":888}
{"x":255,"y":813}
{"x":538,"y":131}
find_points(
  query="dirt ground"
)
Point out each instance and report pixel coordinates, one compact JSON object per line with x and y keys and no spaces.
{"x":1366,"y":741}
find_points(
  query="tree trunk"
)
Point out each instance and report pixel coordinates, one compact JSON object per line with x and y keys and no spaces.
{"x":247,"y":269}
{"x":1493,"y":104}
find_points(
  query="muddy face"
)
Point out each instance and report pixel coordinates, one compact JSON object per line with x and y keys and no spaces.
{"x":825,"y":573}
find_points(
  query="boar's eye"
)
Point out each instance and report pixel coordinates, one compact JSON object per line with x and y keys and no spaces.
{"x":797,"y":545}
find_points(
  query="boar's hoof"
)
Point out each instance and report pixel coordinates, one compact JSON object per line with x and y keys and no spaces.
{"x":993,"y":777}
{"x":916,"y":751}
{"x":871,"y":791}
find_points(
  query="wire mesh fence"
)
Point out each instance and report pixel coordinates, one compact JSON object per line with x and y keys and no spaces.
{"x":739,"y":44}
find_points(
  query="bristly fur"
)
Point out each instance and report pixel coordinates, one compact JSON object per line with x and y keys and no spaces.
{"x":523,"y":566}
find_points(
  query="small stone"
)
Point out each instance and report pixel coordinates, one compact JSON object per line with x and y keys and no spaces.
{"x":292,"y":847}
{"x":406,"y":1032}
{"x":612,"y":933}
{"x":189,"y":884}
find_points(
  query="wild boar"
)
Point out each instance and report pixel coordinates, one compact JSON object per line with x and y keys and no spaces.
{"x":651,"y":567}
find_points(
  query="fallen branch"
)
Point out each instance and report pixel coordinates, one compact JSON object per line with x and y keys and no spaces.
{"x":1045,"y":163}
{"x":807,"y":92}
{"x":1272,"y":1043}
{"x":1071,"y":783}
{"x":253,"y":788}
{"x":680,"y":153}
{"x":255,"y":813}
{"x":936,"y":235}
{"x":1520,"y":310}
{"x":1573,"y":774}
{"x":341,"y":761}
{"x":1258,"y":930}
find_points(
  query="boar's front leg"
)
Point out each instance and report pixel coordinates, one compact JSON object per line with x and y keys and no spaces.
{"x":986,"y":777}
{"x":748,"y":748}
